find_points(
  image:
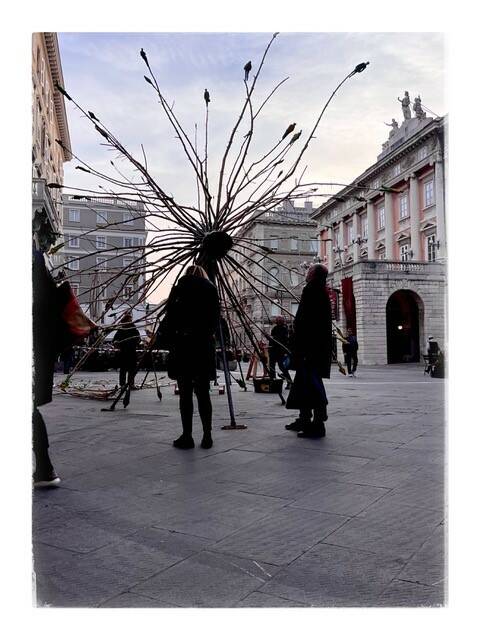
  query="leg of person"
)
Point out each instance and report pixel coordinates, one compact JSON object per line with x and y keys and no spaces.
{"x":355,"y":362}
{"x":201,"y":388}
{"x":285,"y":371}
{"x":185,"y":388}
{"x":317,"y":427}
{"x":271,"y":364}
{"x":122,"y":374}
{"x":44,"y":475}
{"x":131,"y":376}
{"x":348,"y":362}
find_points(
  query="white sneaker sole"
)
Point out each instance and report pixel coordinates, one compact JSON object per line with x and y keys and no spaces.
{"x":47,"y":483}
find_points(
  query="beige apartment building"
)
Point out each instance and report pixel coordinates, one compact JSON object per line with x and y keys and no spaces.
{"x":49,"y":123}
{"x":274,"y":249}
{"x":383,"y":238}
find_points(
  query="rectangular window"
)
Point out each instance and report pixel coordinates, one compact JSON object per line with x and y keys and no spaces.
{"x":128,"y":291}
{"x":431,"y":248}
{"x":101,"y":263}
{"x":101,"y":242}
{"x":405,"y":252}
{"x":381,"y":217}
{"x":73,"y":242}
{"x":73,"y":215}
{"x":294,"y":307}
{"x":128,"y":218}
{"x":294,"y":244}
{"x":381,"y":254}
{"x":274,"y":244}
{"x":129,"y":242}
{"x":397,"y":170}
{"x":364,"y":227}
{"x":350,"y":233}
{"x":336,"y":237}
{"x":127,"y":262}
{"x":428,"y":193}
{"x":313,"y":245}
{"x":73,"y":263}
{"x":51,"y":109}
{"x":42,"y":72}
{"x":102,"y":217}
{"x":403,"y":206}
{"x":275,"y":310}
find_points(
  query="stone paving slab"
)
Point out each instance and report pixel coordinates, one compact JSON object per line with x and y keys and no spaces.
{"x":263,"y":519}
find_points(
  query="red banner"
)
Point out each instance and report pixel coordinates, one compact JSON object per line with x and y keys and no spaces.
{"x":349,"y":304}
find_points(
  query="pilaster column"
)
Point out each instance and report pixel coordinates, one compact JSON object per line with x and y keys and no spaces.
{"x":389,"y":254}
{"x":329,"y":250}
{"x":372,"y":230}
{"x":414,"y":211}
{"x":356,"y":233}
{"x":440,"y":211}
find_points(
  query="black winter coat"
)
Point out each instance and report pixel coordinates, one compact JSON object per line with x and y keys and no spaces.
{"x":312,"y":347}
{"x":312,"y":327}
{"x":50,"y":331}
{"x":279,"y":344}
{"x":127,"y":339}
{"x":192,"y":317}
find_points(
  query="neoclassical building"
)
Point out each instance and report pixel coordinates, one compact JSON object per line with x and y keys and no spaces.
{"x":49,"y":123}
{"x":383,"y":238}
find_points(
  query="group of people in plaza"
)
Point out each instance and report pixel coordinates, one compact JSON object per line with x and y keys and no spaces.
{"x":188,"y":331}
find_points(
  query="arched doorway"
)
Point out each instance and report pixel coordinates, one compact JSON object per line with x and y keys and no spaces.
{"x":403,"y":313}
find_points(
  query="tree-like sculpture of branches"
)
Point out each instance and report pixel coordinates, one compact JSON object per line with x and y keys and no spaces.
{"x":244,"y":190}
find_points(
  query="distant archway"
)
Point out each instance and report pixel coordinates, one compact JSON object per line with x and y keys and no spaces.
{"x":404,"y":314}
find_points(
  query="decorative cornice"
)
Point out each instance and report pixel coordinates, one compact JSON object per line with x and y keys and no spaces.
{"x":53,"y":53}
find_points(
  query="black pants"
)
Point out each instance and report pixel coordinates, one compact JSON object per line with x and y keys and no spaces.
{"x":277,"y":358}
{"x":127,"y":371}
{"x":351,"y":360}
{"x":186,"y":388}
{"x":319,"y":415}
{"x":43,"y":465}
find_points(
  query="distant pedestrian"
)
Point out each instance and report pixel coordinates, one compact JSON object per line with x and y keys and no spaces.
{"x":278,"y":349}
{"x":433,"y":352}
{"x":127,"y":340}
{"x":350,"y":350}
{"x":191,"y":320}
{"x":312,"y":353}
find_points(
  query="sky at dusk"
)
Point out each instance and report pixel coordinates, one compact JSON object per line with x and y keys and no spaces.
{"x":104,"y":73}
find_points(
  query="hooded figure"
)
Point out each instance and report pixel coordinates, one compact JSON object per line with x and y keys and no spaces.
{"x":192,"y":317}
{"x":312,"y":352}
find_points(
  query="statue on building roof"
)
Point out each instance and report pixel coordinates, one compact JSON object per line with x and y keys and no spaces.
{"x":394,"y":125}
{"x":405,"y":101}
{"x":417,"y":107}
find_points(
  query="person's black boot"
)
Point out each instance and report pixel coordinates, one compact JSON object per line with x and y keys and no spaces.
{"x":207,"y":441}
{"x":184,"y":442}
{"x":297,"y":425}
{"x":314,"y":430}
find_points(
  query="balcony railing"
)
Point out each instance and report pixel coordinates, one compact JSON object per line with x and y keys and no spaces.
{"x":409,"y":266}
{"x":113,"y":202}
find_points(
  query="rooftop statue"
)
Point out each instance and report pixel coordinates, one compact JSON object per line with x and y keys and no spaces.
{"x":417,"y":107}
{"x":405,"y":101}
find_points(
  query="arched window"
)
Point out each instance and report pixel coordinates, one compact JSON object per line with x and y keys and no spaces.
{"x":273,"y":273}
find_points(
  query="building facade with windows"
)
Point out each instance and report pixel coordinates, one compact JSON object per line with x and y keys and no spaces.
{"x":383,"y":238}
{"x":49,"y":123}
{"x":272,"y":251}
{"x":103,"y":255}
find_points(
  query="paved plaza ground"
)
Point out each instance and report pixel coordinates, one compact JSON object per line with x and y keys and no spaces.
{"x":263,"y":519}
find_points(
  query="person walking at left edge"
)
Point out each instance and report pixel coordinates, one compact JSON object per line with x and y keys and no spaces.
{"x":127,"y":340}
{"x":312,"y":353}
{"x":192,"y":317}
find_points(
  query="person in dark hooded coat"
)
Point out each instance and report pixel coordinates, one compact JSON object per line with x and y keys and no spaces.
{"x":191,"y":320}
{"x":127,"y":341}
{"x":312,"y":354}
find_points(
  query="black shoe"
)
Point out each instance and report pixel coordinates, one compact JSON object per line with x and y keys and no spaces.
{"x":184,"y":442}
{"x":207,"y":441}
{"x":313,"y":431}
{"x":45,"y":479}
{"x":298,"y":425}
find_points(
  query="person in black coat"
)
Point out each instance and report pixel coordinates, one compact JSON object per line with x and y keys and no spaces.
{"x":278,"y":349}
{"x":191,"y":320}
{"x":127,"y":340}
{"x":350,"y":350}
{"x":312,"y":353}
